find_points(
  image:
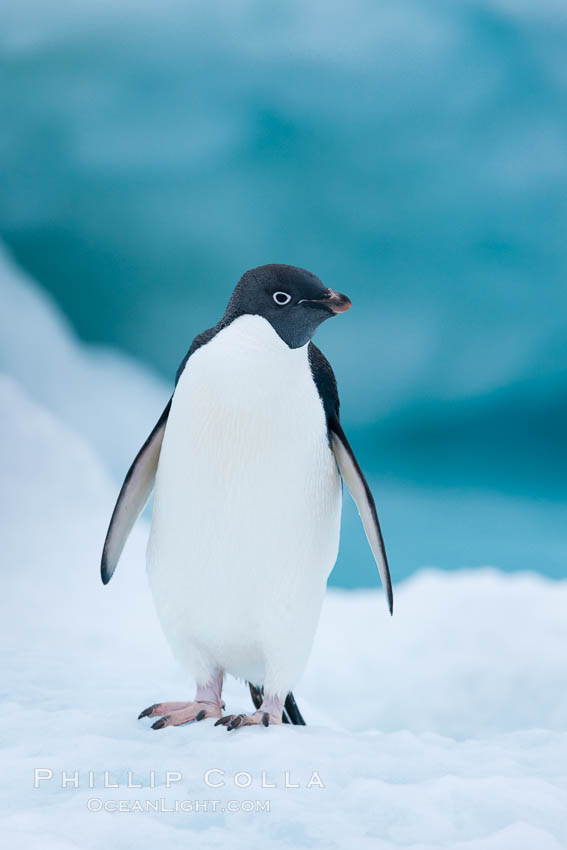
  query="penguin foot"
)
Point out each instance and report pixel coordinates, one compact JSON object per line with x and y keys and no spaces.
{"x":259,"y":718}
{"x":179,"y":713}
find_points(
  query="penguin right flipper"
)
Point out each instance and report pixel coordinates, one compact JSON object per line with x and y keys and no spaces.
{"x":140,"y":478}
{"x":133,"y":496}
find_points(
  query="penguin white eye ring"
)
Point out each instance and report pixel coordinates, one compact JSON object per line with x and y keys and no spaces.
{"x":249,"y":454}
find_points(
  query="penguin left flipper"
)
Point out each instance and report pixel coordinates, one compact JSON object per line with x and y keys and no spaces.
{"x":133,"y":496}
{"x":349,"y":468}
{"x":354,"y":478}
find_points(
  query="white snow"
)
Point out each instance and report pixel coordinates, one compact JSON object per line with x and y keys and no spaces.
{"x":105,"y":396}
{"x":442,"y":727}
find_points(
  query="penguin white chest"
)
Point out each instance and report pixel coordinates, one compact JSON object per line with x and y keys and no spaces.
{"x":246,"y":515}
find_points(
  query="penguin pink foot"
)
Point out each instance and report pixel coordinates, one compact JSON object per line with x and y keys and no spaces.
{"x":269,"y":712}
{"x":178,"y":713}
{"x":207,"y":703}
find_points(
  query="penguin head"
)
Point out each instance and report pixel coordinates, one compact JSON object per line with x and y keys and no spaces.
{"x":294,"y":301}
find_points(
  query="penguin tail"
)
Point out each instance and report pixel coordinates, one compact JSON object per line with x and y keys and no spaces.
{"x":291,"y":713}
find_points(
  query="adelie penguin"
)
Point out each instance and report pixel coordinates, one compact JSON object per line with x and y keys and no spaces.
{"x":246,"y":463}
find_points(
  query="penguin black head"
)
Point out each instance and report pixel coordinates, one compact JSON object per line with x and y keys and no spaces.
{"x":294,"y":301}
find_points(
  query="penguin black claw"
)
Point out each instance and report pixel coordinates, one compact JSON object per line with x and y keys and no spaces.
{"x":159,"y":724}
{"x":235,"y":722}
{"x":147,"y":711}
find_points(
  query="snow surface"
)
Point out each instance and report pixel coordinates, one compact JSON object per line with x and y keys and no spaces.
{"x":442,"y":727}
{"x":102,"y":394}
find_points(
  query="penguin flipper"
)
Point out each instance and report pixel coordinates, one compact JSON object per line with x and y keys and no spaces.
{"x":133,"y":496}
{"x":354,"y":478}
{"x":351,"y":472}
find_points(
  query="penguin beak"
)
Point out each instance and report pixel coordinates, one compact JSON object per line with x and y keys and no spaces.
{"x":334,"y":301}
{"x":337,"y":302}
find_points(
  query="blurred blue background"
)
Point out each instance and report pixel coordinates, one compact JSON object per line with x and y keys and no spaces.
{"x":412,"y":154}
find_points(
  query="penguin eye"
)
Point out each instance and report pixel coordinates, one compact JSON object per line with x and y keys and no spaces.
{"x":281,"y":298}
